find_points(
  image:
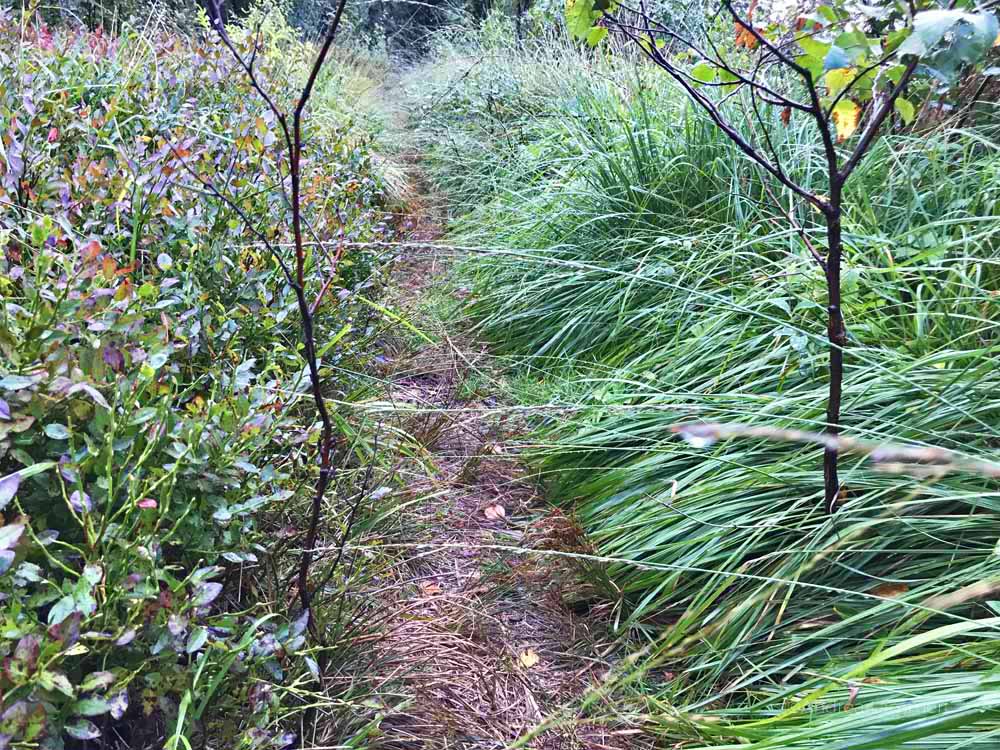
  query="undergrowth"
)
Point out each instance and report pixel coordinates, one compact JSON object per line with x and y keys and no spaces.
{"x":157,"y":443}
{"x":631,"y":264}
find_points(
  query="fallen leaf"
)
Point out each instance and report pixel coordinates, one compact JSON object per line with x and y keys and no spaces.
{"x":890,"y":590}
{"x":430,"y":588}
{"x":495,"y":512}
{"x":528,"y":658}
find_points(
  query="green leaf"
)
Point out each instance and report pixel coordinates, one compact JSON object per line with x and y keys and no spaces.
{"x":197,"y":639}
{"x":596,"y":35}
{"x":580,"y":17}
{"x":894,"y":38}
{"x":836,"y":80}
{"x":61,"y":610}
{"x":16,"y":382}
{"x":704,"y":72}
{"x":41,"y":466}
{"x":56,"y":681}
{"x":726,"y":77}
{"x":97,"y":681}
{"x":827,"y":13}
{"x":835,"y":59}
{"x":81,"y":729}
{"x":57,"y":431}
{"x":91,"y":707}
{"x":905,"y":109}
{"x":813,"y":47}
{"x":948,"y":40}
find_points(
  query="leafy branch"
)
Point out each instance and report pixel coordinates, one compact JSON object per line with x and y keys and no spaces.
{"x":842,"y":68}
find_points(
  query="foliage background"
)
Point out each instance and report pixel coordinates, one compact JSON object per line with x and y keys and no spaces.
{"x":154,"y":445}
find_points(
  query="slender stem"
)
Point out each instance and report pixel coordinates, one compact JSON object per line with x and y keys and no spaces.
{"x":837,"y":336}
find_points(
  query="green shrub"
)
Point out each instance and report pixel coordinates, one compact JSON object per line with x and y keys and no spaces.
{"x":151,"y":414}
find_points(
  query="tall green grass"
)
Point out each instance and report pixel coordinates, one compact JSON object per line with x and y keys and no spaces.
{"x":623,"y":237}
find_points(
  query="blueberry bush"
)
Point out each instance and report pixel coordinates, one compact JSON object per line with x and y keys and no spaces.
{"x":153,"y":425}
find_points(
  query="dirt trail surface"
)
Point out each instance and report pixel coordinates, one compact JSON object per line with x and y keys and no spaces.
{"x":483,"y":644}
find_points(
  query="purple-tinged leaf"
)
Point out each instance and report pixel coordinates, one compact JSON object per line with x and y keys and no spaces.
{"x":27,"y":651}
{"x":177,"y":624}
{"x":94,"y":394}
{"x":67,"y":470}
{"x":206,"y":593}
{"x":126,"y":638}
{"x":17,"y":382}
{"x":4,"y":410}
{"x":6,"y":560}
{"x":119,"y":704}
{"x":81,"y":502}
{"x":113,"y":358}
{"x":300,"y":624}
{"x":10,"y":534}
{"x":8,"y":488}
{"x":263,"y":646}
{"x":68,"y":631}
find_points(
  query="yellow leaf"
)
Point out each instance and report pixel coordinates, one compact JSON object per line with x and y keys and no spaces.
{"x":845,"y":118}
{"x":528,"y":658}
{"x":836,"y":80}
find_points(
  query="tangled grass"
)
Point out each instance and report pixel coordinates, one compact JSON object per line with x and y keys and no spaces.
{"x":637,"y":262}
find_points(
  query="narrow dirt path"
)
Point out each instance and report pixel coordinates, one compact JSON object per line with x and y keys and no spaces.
{"x":483,"y":643}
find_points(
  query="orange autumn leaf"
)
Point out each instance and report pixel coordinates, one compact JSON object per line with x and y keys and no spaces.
{"x":786,"y":116}
{"x":430,"y":588}
{"x":890,"y":590}
{"x":745,"y":37}
{"x":91,"y":250}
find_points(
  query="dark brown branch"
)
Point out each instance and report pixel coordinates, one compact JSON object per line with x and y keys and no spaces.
{"x":296,"y":278}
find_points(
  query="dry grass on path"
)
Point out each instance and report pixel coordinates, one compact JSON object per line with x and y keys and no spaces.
{"x":483,"y":645}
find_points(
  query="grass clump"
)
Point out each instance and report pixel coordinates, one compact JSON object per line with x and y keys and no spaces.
{"x":621,"y":236}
